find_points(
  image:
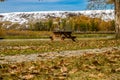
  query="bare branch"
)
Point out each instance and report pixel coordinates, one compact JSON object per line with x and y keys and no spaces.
{"x":99,"y":4}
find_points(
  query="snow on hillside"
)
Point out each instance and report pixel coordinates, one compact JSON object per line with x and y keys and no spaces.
{"x":24,"y":17}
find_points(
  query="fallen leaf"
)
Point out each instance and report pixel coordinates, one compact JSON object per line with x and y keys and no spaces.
{"x":13,"y":66}
{"x":118,"y":70}
{"x":73,"y":71}
{"x":26,"y":77}
{"x":31,"y":68}
{"x":63,"y":69}
{"x":100,"y":74}
{"x":61,"y":78}
{"x":92,"y":76}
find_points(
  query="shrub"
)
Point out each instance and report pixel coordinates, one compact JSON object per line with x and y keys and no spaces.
{"x":2,"y":33}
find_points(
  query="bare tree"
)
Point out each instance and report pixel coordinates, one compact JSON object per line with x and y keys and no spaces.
{"x":2,"y":0}
{"x":103,"y":4}
{"x":117,"y":17}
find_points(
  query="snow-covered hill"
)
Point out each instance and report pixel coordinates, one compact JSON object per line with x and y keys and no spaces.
{"x":24,"y":17}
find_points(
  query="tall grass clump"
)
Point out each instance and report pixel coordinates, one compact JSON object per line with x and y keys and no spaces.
{"x":2,"y":33}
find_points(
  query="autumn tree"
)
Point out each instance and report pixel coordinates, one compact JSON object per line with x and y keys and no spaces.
{"x":49,"y":24}
{"x":102,"y":4}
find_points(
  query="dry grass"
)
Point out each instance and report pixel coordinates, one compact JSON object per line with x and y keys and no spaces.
{"x":27,"y":34}
{"x":104,"y":66}
{"x":38,"y":46}
{"x":2,"y":33}
{"x":17,"y":34}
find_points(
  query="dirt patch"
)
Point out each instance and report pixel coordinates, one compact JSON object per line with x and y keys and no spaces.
{"x":52,"y":55}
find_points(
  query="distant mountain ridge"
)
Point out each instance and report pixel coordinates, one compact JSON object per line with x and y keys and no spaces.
{"x":25,"y":17}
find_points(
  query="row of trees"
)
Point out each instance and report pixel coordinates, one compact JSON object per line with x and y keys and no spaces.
{"x":75,"y":23}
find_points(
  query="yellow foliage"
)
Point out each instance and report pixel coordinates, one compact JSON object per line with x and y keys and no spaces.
{"x":2,"y":33}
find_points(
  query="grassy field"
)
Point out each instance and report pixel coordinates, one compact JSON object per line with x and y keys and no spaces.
{"x":95,"y":35}
{"x":38,"y":46}
{"x":17,"y":34}
{"x":103,"y":66}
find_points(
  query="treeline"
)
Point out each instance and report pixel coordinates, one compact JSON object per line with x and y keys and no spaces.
{"x":74,"y":23}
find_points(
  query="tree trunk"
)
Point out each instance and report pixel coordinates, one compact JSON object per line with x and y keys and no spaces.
{"x":117,"y":18}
